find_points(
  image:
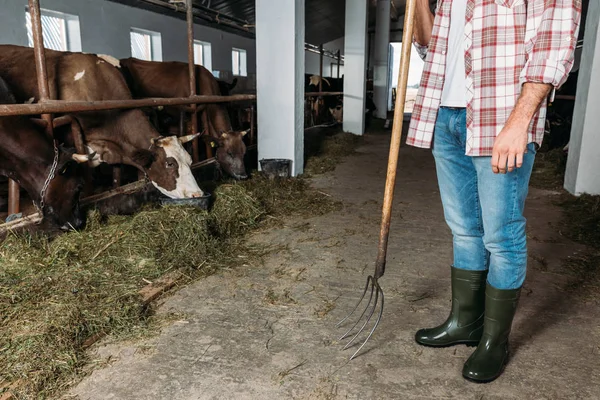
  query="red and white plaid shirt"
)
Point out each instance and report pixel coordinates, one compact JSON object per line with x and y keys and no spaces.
{"x":507,"y":43}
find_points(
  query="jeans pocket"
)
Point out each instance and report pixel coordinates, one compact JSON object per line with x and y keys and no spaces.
{"x":533,"y":148}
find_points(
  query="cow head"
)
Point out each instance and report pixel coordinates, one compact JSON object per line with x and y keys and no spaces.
{"x":230,"y":153}
{"x":338,"y":113}
{"x":61,"y":200}
{"x":167,"y":165}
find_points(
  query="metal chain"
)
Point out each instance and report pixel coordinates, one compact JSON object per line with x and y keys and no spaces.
{"x":51,"y":174}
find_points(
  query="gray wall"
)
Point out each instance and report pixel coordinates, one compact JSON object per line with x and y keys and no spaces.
{"x":105,"y":29}
{"x":313,"y":59}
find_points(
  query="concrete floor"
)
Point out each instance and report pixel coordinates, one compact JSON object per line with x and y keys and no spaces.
{"x":268,"y":331}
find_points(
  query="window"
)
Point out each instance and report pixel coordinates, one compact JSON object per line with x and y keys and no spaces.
{"x":60,"y":30}
{"x":238,"y":57}
{"x":146,"y":45}
{"x":334,"y":68}
{"x":203,"y":54}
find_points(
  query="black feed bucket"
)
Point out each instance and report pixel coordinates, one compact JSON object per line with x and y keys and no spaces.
{"x":202,"y":203}
{"x":276,"y":168}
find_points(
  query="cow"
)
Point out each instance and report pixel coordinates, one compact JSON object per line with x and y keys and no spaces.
{"x":334,"y":104}
{"x":225,"y":88}
{"x":29,"y":157}
{"x":171,"y":79}
{"x":114,"y":137}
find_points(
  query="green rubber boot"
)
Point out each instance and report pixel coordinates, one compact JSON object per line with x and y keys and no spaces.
{"x":491,"y":355}
{"x":465,"y":323}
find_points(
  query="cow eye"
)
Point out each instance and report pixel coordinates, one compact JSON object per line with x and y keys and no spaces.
{"x":170,"y":164}
{"x":64,"y":169}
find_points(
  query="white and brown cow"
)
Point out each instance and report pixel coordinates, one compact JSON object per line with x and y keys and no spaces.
{"x":117,"y":136}
{"x":171,"y":79}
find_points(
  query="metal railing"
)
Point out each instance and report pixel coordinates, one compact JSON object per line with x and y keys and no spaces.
{"x":47,"y":107}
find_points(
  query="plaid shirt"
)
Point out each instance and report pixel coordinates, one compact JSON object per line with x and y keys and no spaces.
{"x":507,"y":43}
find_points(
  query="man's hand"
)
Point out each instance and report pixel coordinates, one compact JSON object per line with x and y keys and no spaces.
{"x":509,"y":147}
{"x":511,"y":142}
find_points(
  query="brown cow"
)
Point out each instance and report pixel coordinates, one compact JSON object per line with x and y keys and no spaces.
{"x":171,"y":79}
{"x":27,"y":156}
{"x":116,"y":137}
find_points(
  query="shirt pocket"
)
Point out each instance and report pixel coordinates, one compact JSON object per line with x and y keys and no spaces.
{"x":510,"y":3}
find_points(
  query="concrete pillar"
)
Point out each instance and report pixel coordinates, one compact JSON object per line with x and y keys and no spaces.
{"x":280,"y":80}
{"x":355,"y":65}
{"x":583,"y":164}
{"x":382,"y":58}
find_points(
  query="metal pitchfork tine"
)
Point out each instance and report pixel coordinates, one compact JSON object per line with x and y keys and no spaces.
{"x":376,"y":297}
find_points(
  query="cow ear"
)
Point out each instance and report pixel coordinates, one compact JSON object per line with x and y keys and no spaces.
{"x":143,"y":157}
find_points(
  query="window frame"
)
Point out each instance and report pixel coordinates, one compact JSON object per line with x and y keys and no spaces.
{"x":155,"y":43}
{"x":242,"y":66}
{"x":206,"y":47}
{"x":70,"y":29}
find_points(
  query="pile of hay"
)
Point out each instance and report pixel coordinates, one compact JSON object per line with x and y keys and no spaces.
{"x":56,"y":294}
{"x":324,"y":151}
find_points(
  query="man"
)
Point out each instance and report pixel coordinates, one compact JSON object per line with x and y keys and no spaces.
{"x":490,"y":66}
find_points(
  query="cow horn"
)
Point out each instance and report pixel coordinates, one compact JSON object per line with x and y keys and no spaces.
{"x":244,"y":133}
{"x":188,"y":138}
{"x":81,"y":158}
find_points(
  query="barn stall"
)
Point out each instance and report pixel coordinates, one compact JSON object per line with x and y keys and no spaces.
{"x":103,"y":282}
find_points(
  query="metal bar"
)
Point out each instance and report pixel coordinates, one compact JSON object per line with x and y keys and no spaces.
{"x":38,"y":49}
{"x":125,"y":189}
{"x":564,"y":97}
{"x":41,"y":74}
{"x":339,"y":59}
{"x":13,"y":197}
{"x":182,"y":123}
{"x":192,"y":74}
{"x":20,"y":223}
{"x":313,"y":94}
{"x":203,"y":15}
{"x":59,"y":106}
{"x":116,"y":181}
{"x":320,"y":68}
{"x":252,"y":122}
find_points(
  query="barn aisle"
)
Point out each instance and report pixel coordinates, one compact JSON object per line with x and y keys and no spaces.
{"x":268,"y":331}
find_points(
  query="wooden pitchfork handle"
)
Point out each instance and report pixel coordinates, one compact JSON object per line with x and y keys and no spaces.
{"x":396,"y":139}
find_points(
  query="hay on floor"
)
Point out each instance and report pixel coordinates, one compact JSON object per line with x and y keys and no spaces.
{"x":57,"y":293}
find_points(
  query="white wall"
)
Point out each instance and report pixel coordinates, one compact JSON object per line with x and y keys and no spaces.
{"x":105,"y":29}
{"x":583,"y":163}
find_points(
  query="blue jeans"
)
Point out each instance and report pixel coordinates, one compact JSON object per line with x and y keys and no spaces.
{"x":484,"y":210}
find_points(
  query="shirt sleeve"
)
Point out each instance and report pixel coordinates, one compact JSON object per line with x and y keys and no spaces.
{"x":550,"y":40}
{"x":422,"y":50}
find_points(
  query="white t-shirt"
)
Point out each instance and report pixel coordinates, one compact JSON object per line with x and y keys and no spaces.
{"x":455,"y":86}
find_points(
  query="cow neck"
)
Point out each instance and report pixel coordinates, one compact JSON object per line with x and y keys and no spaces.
{"x":124,"y":133}
{"x":31,"y":176}
{"x":31,"y":168}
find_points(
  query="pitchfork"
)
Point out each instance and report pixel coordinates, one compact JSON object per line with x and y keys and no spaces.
{"x":376,"y":298}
